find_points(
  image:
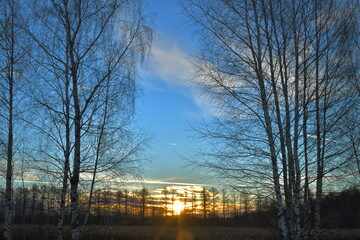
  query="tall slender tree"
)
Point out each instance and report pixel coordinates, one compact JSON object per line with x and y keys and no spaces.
{"x":12,"y":70}
{"x":165,"y":192}
{"x":276,"y":74}
{"x":87,"y":57}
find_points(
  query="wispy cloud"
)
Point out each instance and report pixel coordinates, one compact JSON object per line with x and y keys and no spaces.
{"x":170,"y":64}
{"x":172,"y":144}
{"x":326,"y":139}
{"x":31,"y":181}
{"x":164,"y":182}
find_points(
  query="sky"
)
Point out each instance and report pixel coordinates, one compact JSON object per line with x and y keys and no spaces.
{"x":169,"y":105}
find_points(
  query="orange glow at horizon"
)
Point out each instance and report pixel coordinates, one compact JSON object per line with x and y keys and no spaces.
{"x":178,"y":207}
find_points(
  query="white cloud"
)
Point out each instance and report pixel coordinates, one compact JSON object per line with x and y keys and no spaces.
{"x":171,"y":65}
{"x":166,"y":182}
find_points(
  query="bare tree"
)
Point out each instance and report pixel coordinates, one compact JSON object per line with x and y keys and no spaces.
{"x":276,"y":74}
{"x":143,"y":195}
{"x":213,"y":195}
{"x":193,"y":200}
{"x":186,"y":200}
{"x":12,"y":70}
{"x":205,"y":199}
{"x":165,"y":192}
{"x":224,"y":201}
{"x":173,"y":193}
{"x":8,"y":74}
{"x":86,"y":65}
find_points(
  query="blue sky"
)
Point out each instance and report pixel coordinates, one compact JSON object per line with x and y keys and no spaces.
{"x":169,"y":106}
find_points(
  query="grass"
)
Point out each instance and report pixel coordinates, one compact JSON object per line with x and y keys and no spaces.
{"x":42,"y":232}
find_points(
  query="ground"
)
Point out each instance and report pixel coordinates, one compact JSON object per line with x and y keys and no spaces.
{"x":37,"y":232}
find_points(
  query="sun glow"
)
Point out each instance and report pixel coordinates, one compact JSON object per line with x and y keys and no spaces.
{"x":178,"y":207}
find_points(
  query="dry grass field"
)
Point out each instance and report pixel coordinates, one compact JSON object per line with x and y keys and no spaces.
{"x":42,"y":232}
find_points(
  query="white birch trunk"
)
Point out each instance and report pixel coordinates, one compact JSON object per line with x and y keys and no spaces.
{"x":297,"y":182}
{"x":75,"y":212}
{"x":63,"y":201}
{"x":10,"y":81}
{"x":75,"y":225}
{"x":318,"y":130}
{"x":67,"y":148}
{"x":257,"y":57}
{"x":98,"y":155}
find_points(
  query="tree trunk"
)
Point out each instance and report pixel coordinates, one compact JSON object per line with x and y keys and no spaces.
{"x":66,"y":169}
{"x":319,"y":160}
{"x":98,"y":153}
{"x":75,"y":225}
{"x":268,"y":127}
{"x":9,"y":170}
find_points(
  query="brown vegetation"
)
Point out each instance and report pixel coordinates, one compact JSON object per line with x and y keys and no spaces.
{"x":35,"y":232}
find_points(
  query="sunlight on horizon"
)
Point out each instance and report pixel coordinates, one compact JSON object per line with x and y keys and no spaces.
{"x":178,"y":207}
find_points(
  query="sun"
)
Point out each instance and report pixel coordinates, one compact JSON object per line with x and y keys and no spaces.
{"x":178,"y":207}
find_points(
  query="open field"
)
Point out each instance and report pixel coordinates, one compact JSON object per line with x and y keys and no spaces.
{"x":42,"y":232}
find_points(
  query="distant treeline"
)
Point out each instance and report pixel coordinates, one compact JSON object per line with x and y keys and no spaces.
{"x":39,"y":205}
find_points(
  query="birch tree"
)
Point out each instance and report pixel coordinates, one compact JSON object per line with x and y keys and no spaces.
{"x":85,"y":50}
{"x":7,"y":74}
{"x":12,"y":69}
{"x":277,"y":77}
